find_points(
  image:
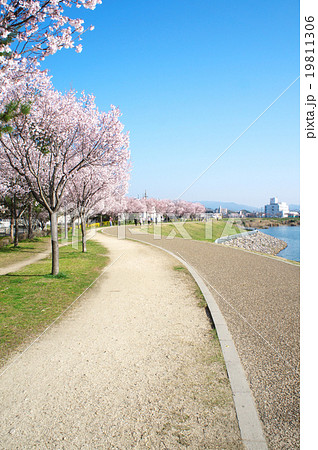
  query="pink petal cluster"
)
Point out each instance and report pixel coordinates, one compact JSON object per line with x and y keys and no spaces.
{"x":38,"y":28}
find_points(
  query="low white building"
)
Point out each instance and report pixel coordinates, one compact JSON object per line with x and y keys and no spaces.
{"x":276,"y":209}
{"x":293,"y":214}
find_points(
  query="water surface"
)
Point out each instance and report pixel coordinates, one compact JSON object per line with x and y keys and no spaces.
{"x":291,"y":235}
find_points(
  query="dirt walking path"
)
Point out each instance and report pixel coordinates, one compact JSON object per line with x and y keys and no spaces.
{"x":133,"y":365}
{"x":19,"y":265}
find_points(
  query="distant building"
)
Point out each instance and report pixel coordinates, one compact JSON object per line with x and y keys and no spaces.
{"x":293,"y":214}
{"x":221,"y":210}
{"x":212,"y":215}
{"x":276,"y":209}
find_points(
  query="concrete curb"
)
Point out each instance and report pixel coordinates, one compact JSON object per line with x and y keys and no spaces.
{"x":249,"y":422}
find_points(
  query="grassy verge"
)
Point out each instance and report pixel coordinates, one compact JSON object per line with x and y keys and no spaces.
{"x":265,"y":222}
{"x":195,"y":288}
{"x":198,"y":230}
{"x":31,"y":298}
{"x":217,"y":356}
{"x":25,"y":250}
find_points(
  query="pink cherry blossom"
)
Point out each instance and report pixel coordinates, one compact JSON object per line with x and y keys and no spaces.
{"x":39,"y":28}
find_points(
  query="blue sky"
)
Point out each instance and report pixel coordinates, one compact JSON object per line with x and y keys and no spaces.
{"x":189,"y":77}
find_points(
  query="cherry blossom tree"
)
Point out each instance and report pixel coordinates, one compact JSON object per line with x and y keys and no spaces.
{"x":15,"y":196}
{"x":38,"y":28}
{"x":13,"y":80}
{"x":61,"y":136}
{"x":30,"y":30}
{"x":40,"y":215}
{"x":198,"y":209}
{"x":113,"y":206}
{"x":96,"y":186}
{"x":133,"y":205}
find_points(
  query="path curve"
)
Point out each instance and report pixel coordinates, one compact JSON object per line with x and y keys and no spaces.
{"x":132,"y":365}
{"x":249,"y":423}
{"x":259,"y":298}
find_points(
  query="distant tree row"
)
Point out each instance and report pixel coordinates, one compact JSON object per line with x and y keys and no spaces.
{"x":164,"y":207}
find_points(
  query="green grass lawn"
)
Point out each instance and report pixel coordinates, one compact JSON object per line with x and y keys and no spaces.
{"x":31,"y":298}
{"x":28,"y":248}
{"x":25,"y":250}
{"x":200,"y":231}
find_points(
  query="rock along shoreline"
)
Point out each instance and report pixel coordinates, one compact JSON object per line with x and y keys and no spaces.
{"x":256,"y":242}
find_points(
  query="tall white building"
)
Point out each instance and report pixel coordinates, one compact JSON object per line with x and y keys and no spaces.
{"x":276,"y":209}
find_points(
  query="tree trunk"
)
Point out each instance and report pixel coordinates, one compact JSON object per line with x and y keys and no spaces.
{"x":16,"y":232}
{"x":16,"y":223}
{"x":73,"y":226}
{"x":30,"y":229}
{"x":11,"y":226}
{"x":55,"y":243}
{"x":65,"y":225}
{"x":101,"y":220}
{"x":83,"y":228}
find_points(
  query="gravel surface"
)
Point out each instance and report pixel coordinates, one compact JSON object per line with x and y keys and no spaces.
{"x":259,"y":298}
{"x":133,"y":364}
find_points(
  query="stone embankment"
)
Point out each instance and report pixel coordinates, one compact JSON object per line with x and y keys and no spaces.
{"x":257,"y":242}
